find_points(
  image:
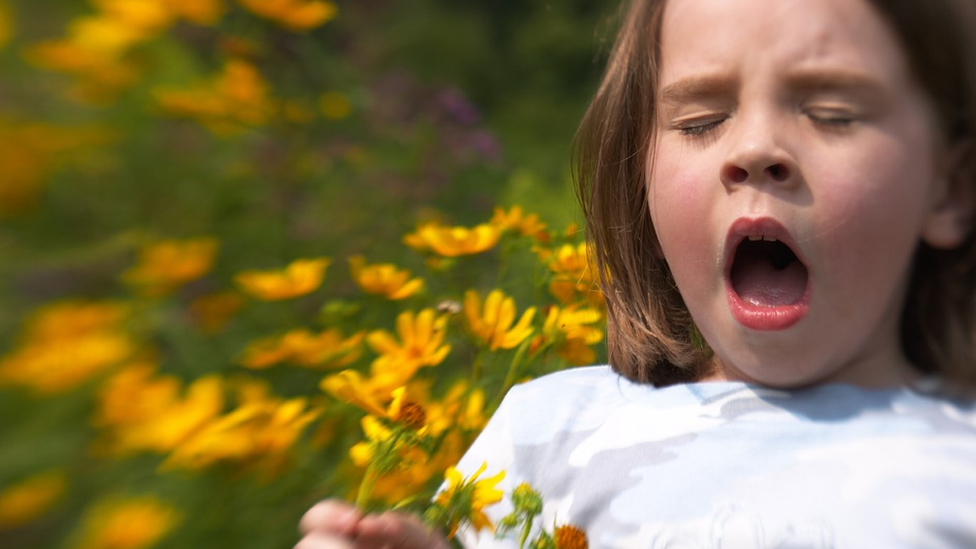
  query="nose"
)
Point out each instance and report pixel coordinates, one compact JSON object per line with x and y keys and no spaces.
{"x":756,"y":156}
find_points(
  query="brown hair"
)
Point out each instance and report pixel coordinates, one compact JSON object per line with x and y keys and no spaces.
{"x":651,"y":336}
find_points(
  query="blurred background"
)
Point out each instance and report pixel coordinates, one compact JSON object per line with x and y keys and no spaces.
{"x":270,"y":130}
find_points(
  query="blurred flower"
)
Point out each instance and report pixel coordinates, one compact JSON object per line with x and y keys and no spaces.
{"x":492,"y":322}
{"x":259,"y":428}
{"x":31,"y":152}
{"x":237,"y":98}
{"x":213,"y":311}
{"x":65,"y":344}
{"x":384,"y":279}
{"x":25,"y":501}
{"x":334,"y":105}
{"x":573,"y":274}
{"x":300,"y":277}
{"x":6,"y":25}
{"x":201,"y":12}
{"x":570,"y":330}
{"x":141,"y":411}
{"x":453,"y":241}
{"x":326,"y":349}
{"x":132,"y":523}
{"x":421,"y":344}
{"x":297,"y":15}
{"x":165,"y":265}
{"x":515,"y":220}
{"x":463,"y":499}
{"x":349,"y":386}
{"x":463,"y":408}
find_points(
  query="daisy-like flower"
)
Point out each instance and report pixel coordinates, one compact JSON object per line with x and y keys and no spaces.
{"x":384,"y":279}
{"x":165,"y":265}
{"x":515,"y":220}
{"x":327,"y":349}
{"x":491,"y":321}
{"x":464,"y":499}
{"x":453,"y":241}
{"x":421,"y":343}
{"x":24,"y":501}
{"x":297,"y":15}
{"x":573,"y":274}
{"x":300,"y":277}
{"x":572,"y":332}
{"x":127,"y":524}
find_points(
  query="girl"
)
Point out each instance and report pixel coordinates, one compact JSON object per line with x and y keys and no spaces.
{"x":780,"y":195}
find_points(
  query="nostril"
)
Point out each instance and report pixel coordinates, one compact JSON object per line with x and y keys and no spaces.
{"x":778,"y":172}
{"x":736,"y":174}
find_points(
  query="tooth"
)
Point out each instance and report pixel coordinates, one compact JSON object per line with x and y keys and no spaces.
{"x":769,"y":238}
{"x":754,"y":238}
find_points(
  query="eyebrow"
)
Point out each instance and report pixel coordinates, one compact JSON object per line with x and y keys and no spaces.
{"x":698,"y":87}
{"x":832,"y":80}
{"x":713,"y":85}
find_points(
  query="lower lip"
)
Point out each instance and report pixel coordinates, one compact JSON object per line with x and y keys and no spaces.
{"x":767,"y":319}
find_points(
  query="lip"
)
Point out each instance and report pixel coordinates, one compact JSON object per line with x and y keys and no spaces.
{"x":747,"y":314}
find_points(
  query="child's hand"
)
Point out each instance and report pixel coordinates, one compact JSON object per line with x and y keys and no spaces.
{"x":334,"y":524}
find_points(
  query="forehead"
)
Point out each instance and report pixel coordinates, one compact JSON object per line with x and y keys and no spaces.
{"x":716,"y":36}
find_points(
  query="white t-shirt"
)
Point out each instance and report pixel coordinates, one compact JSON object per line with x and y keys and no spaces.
{"x":734,"y":465}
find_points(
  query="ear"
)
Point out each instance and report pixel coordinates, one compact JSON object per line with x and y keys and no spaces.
{"x":950,"y":218}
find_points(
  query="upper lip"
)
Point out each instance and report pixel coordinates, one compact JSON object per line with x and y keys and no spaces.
{"x":744,"y":227}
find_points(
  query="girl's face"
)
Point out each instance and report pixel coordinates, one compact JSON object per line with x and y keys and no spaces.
{"x":796,"y":165}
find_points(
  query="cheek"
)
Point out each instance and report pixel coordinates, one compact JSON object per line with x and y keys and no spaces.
{"x":679,"y":202}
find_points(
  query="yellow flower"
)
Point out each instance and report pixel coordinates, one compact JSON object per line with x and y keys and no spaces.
{"x":453,"y":241}
{"x":515,"y":220}
{"x":421,"y":344}
{"x":297,"y":15}
{"x":326,"y":349}
{"x":492,"y":324}
{"x":465,"y":498}
{"x":384,"y":279}
{"x":66,"y":344}
{"x":201,"y":12}
{"x":350,"y":386}
{"x":28,"y":499}
{"x":300,"y":277}
{"x":258,"y":428}
{"x":141,"y":411}
{"x":238,"y":97}
{"x":572,"y":273}
{"x":570,"y":330}
{"x":145,"y":15}
{"x":463,"y":408}
{"x":165,"y":265}
{"x":127,"y":524}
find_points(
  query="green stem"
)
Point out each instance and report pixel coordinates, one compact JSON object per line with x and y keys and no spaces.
{"x":366,"y":486}
{"x":526,"y":528}
{"x":512,"y":372}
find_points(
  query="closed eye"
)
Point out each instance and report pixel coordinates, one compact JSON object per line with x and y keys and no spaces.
{"x":695,"y":128}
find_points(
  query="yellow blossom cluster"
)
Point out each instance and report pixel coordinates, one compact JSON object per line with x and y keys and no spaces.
{"x":297,"y":15}
{"x":419,"y":382}
{"x":165,"y":265}
{"x":126,"y":523}
{"x":96,"y":50}
{"x":66,"y":344}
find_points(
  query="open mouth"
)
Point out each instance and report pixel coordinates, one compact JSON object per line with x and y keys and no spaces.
{"x":767,"y":273}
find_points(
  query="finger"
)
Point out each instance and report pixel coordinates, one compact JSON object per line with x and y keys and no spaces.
{"x":332,"y":517}
{"x":324,"y":541}
{"x":397,"y":531}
